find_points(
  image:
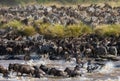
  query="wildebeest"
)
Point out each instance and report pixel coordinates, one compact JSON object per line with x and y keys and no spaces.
{"x":101,"y":50}
{"x":21,"y":68}
{"x":44,"y":68}
{"x":14,"y":67}
{"x":38,"y":72}
{"x":26,"y":69}
{"x":71,"y":73}
{"x":56,"y":72}
{"x":4,"y":71}
{"x":89,"y":66}
{"x":27,"y":57}
{"x":113,"y":50}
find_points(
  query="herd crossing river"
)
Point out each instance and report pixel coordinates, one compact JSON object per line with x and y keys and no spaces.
{"x":109,"y":72}
{"x":89,"y":57}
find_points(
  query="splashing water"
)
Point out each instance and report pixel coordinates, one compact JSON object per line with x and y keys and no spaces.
{"x":109,"y":79}
{"x":108,"y":68}
{"x":35,"y":62}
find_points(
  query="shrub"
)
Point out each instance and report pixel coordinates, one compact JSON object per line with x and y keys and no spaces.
{"x":77,"y":30}
{"x":73,"y":31}
{"x":86,"y":29}
{"x":44,"y":28}
{"x":108,"y":30}
{"x":14,"y":24}
{"x":28,"y":31}
{"x":58,"y":30}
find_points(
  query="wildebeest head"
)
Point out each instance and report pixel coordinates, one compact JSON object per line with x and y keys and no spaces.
{"x":52,"y":71}
{"x":4,"y":71}
{"x":44,"y":68}
{"x":77,"y":67}
{"x":10,"y":67}
{"x":67,"y":69}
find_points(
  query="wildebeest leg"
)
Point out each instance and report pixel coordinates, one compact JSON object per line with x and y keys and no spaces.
{"x":5,"y":75}
{"x":30,"y":75}
{"x":21,"y":73}
{"x":17,"y":73}
{"x":12,"y":72}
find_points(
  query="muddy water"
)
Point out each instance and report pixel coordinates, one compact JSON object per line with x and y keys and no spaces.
{"x":108,"y":73}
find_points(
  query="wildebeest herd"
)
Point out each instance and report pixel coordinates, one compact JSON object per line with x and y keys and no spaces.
{"x":91,"y":15}
{"x":85,"y":46}
{"x":61,"y":48}
{"x":37,"y":71}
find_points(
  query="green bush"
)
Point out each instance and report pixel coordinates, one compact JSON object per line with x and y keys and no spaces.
{"x":14,"y":24}
{"x":58,"y":30}
{"x":77,"y":30}
{"x":28,"y":31}
{"x":73,"y":31}
{"x":108,"y":30}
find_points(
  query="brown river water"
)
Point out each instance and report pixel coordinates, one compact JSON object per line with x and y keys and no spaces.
{"x":108,"y":73}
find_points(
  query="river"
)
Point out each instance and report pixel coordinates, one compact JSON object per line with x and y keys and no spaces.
{"x":110,"y":72}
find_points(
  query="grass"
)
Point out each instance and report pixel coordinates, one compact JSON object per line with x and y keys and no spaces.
{"x":14,"y":24}
{"x":108,"y":30}
{"x":77,"y":30}
{"x":28,"y":31}
{"x":21,"y":28}
{"x":60,"y":31}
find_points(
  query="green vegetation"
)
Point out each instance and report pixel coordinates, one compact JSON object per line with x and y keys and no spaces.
{"x":28,"y":31}
{"x":58,"y":30}
{"x":14,"y":24}
{"x":19,"y":27}
{"x":108,"y":30}
{"x":77,"y":30}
